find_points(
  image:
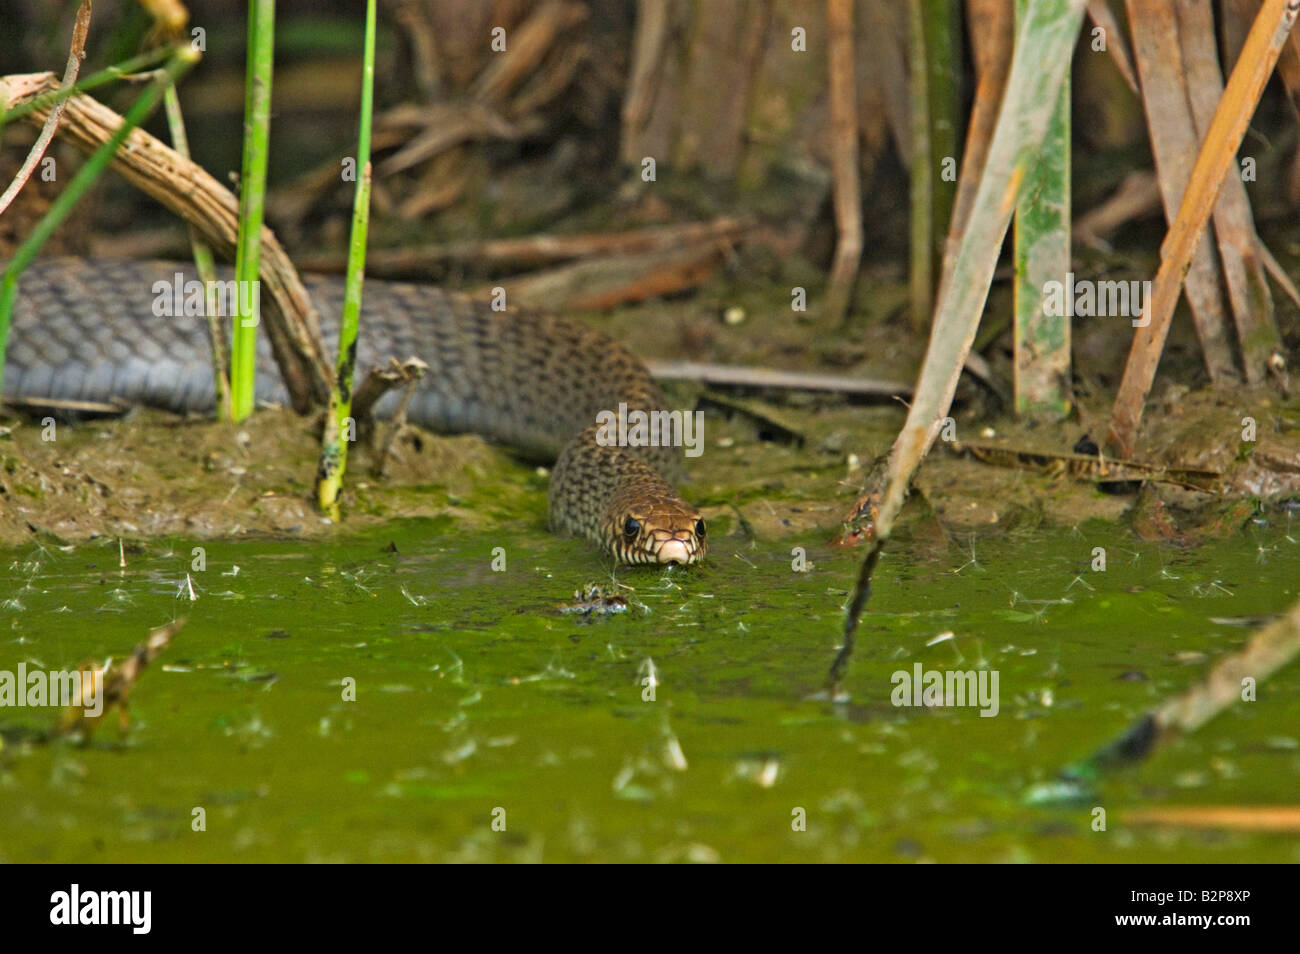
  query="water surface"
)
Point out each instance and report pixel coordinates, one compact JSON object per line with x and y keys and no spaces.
{"x":476,"y":700}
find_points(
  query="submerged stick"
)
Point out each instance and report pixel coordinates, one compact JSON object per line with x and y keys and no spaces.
{"x":1233,"y":679}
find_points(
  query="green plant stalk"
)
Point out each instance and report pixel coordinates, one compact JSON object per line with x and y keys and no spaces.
{"x":183,"y":58}
{"x":252,"y":197}
{"x":93,"y":81}
{"x":334,"y":445}
{"x":206,"y":266}
{"x":1042,"y":255}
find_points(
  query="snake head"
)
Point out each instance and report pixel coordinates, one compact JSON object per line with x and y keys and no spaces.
{"x":669,"y":532}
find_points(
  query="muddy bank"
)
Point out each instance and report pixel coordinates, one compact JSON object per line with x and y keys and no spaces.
{"x":768,"y":472}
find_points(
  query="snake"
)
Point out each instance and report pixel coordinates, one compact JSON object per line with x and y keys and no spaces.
{"x":85,"y":330}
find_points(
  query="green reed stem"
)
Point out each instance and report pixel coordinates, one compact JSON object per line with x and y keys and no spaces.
{"x":339,"y":428}
{"x":252,"y":197}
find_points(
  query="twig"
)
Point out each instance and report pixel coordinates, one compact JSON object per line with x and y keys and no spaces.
{"x":1284,"y":819}
{"x":735,"y":376}
{"x":379,"y":381}
{"x":647,"y":65}
{"x":1234,"y":224}
{"x":1138,"y":195}
{"x":411,"y":372}
{"x":534,"y":250}
{"x":52,"y":93}
{"x":75,"y":56}
{"x":598,"y":283}
{"x":921,"y":182}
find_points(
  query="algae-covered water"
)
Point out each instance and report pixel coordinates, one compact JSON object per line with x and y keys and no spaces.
{"x":489,"y":726}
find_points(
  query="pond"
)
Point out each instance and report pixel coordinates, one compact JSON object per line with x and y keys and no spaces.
{"x":392,"y":696}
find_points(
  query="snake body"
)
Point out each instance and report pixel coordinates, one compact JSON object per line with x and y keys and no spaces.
{"x":86,"y":330}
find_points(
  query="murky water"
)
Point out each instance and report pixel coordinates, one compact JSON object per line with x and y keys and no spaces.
{"x":478,"y":707}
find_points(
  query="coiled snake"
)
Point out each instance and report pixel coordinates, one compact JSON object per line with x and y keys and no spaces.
{"x":86,"y":330}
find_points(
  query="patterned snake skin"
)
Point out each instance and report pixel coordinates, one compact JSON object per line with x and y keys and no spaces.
{"x":86,"y":330}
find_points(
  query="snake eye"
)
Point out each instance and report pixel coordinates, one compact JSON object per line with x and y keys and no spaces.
{"x":631,"y":528}
{"x":699,"y":528}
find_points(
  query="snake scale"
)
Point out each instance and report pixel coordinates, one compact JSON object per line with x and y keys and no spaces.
{"x":85,"y":330}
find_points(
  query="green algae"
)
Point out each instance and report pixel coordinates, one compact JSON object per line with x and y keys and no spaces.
{"x":679,"y":730}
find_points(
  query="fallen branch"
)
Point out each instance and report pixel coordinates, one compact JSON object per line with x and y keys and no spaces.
{"x":534,"y":250}
{"x":189,"y":191}
{"x":734,"y":376}
{"x":605,"y":282}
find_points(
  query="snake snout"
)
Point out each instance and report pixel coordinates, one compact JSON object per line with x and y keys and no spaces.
{"x":673,"y":550}
{"x":676,"y":546}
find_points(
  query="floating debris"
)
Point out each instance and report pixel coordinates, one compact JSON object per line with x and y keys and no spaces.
{"x":113,"y":685}
{"x":594,"y":600}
